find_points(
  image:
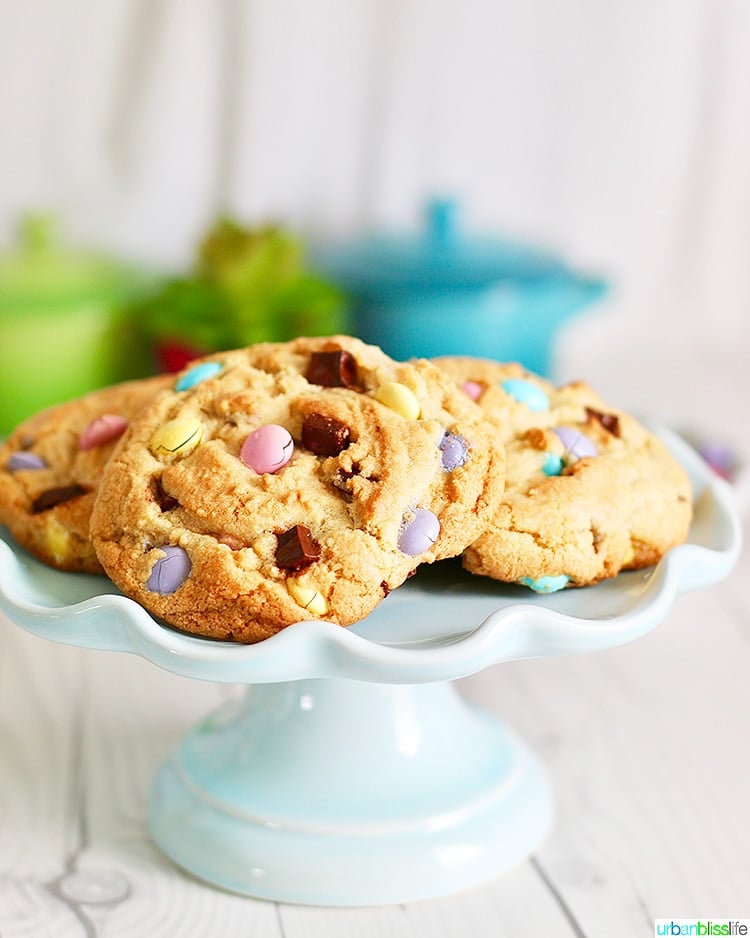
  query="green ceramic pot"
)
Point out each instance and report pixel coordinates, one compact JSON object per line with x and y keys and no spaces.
{"x":64,"y":326}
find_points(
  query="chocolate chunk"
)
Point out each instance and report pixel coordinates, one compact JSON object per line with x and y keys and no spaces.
{"x":336,"y":369}
{"x":610,"y":422}
{"x":51,"y":497}
{"x":296,"y":548}
{"x":324,"y":436}
{"x":341,"y":483}
{"x":536,"y":437}
{"x":385,"y":588}
{"x":161,"y":496}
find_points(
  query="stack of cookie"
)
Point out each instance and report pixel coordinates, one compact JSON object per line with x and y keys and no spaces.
{"x":287,"y":482}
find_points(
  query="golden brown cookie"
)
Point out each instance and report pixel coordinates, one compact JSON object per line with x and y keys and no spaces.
{"x":589,"y":491}
{"x":50,"y":467}
{"x":292,"y":481}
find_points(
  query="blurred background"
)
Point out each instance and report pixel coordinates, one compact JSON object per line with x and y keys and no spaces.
{"x":496,"y":159}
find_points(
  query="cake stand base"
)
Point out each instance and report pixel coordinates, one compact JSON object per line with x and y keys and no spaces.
{"x":337,"y":792}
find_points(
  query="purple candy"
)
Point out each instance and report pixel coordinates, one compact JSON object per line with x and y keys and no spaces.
{"x":455,"y":451}
{"x":420,"y":533}
{"x":24,"y":460}
{"x":577,"y":445}
{"x":170,"y":571}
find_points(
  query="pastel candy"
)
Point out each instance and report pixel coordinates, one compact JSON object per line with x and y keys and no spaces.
{"x":454,"y":451}
{"x":179,"y":436}
{"x":170,"y":571}
{"x":577,"y":445}
{"x":102,"y":430}
{"x":472,"y":389}
{"x":420,"y":533}
{"x":553,"y":465}
{"x":23,"y":460}
{"x":526,"y":392}
{"x":546,"y":584}
{"x":307,"y":597}
{"x":399,"y":398}
{"x":197,"y":374}
{"x":267,"y":449}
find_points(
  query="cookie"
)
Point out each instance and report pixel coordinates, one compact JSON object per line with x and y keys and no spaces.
{"x":292,"y":481}
{"x":50,"y":467}
{"x":589,"y":491}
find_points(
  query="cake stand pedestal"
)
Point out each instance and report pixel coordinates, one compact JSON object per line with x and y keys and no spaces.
{"x":351,"y":772}
{"x":341,"y":792}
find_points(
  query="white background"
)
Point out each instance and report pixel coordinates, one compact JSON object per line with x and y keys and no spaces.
{"x":618,"y":134}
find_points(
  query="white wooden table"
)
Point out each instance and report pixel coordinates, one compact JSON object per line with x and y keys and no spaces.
{"x":647,"y":745}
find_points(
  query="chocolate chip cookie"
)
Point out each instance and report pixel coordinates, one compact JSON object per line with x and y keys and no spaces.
{"x":293,"y":481}
{"x":589,"y":491}
{"x":50,"y":467}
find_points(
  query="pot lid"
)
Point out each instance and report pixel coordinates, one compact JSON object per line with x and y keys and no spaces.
{"x":441,"y":255}
{"x":41,"y":273}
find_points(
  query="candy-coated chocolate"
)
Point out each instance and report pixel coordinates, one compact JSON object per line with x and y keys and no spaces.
{"x":102,"y":430}
{"x":553,"y":464}
{"x":546,"y":584}
{"x":24,"y":460}
{"x":170,"y":571}
{"x":577,"y":445}
{"x":179,"y":436}
{"x":307,"y":597}
{"x":267,"y":449}
{"x":399,"y":398}
{"x":526,"y":392}
{"x":472,"y":389}
{"x":420,"y":533}
{"x":197,"y":374}
{"x":454,"y":451}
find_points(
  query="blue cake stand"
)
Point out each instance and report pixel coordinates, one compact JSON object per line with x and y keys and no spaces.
{"x":352,"y":773}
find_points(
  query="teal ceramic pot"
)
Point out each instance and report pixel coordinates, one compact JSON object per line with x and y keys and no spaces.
{"x":443,"y":293}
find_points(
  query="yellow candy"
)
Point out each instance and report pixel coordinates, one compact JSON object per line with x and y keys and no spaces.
{"x":307,"y":597}
{"x":179,"y":436}
{"x":629,"y":556}
{"x":399,"y":398}
{"x":58,"y":539}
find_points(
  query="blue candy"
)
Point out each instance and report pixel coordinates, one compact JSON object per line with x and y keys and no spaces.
{"x":526,"y":392}
{"x":546,"y":584}
{"x":553,"y":465}
{"x":198,"y":373}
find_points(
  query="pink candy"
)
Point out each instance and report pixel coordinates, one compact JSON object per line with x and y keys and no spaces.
{"x":103,"y":430}
{"x":472,"y":389}
{"x":267,"y":449}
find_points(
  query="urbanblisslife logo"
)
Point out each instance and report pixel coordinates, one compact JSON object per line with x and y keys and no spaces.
{"x":696,"y":926}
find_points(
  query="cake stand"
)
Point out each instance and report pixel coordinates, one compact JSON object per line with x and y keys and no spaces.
{"x":352,"y":773}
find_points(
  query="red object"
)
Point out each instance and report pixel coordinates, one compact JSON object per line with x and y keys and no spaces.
{"x":172,"y":356}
